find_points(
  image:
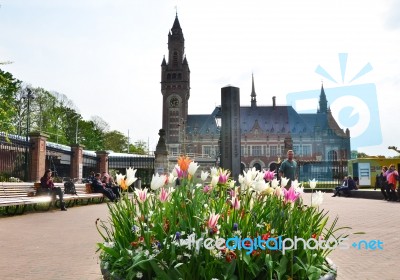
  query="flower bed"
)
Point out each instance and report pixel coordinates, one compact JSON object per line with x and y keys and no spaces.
{"x":213,"y":229}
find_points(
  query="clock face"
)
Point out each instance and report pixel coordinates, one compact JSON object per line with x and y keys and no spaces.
{"x":174,"y":102}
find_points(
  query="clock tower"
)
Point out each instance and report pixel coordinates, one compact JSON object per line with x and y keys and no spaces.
{"x":175,"y":88}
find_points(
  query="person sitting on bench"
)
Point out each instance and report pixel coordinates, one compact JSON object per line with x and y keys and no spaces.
{"x":46,"y":183}
{"x":346,"y":187}
{"x":108,"y":182}
{"x":99,"y":187}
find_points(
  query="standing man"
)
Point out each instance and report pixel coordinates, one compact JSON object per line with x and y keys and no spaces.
{"x":288,"y":168}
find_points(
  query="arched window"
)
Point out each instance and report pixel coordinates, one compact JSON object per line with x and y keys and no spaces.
{"x":174,"y":76}
{"x":273,"y":166}
{"x":332,"y":155}
{"x":257,"y":166}
{"x":168,"y":77}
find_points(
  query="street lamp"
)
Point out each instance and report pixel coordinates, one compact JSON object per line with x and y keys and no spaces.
{"x":76,"y":131}
{"x":29,"y":95}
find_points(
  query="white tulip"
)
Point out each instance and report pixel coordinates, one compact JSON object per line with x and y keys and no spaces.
{"x":204,"y":175}
{"x":313,"y":183}
{"x":158,"y":181}
{"x":317,"y":198}
{"x":193,"y":166}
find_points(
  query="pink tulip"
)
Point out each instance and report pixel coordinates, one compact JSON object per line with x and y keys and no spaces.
{"x":164,"y":195}
{"x":213,"y":220}
{"x":141,"y":194}
{"x":207,"y":189}
{"x":235,"y":203}
{"x":181,"y":174}
{"x":291,"y":195}
{"x":269,"y":175}
{"x":223,"y":177}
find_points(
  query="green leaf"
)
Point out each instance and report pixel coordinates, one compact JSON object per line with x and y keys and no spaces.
{"x":161,"y":274}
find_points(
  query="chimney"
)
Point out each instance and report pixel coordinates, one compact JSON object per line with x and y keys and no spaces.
{"x":273,"y":102}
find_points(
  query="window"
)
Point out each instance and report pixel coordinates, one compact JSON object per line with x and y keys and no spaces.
{"x":273,"y":150}
{"x":175,"y":58}
{"x":209,"y":150}
{"x":332,"y":155}
{"x":307,"y":150}
{"x":257,"y":150}
{"x":257,"y":166}
{"x":296,"y":150}
{"x":174,"y":151}
{"x":242,"y":150}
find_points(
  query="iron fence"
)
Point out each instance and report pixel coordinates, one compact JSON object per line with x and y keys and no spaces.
{"x":14,"y":158}
{"x":90,"y":164}
{"x":58,"y":159}
{"x":328,"y":173}
{"x":143,"y":164}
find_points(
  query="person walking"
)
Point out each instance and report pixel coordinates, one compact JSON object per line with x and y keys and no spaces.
{"x":391,"y":177}
{"x":381,"y":182}
{"x":288,"y":168}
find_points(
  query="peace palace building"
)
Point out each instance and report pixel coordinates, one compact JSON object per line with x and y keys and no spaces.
{"x":267,"y":132}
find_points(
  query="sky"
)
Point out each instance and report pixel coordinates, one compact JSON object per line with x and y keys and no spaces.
{"x":105,"y":56}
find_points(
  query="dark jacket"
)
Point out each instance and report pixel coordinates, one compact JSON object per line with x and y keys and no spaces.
{"x":46,"y":182}
{"x":97,"y":185}
{"x":351,"y":184}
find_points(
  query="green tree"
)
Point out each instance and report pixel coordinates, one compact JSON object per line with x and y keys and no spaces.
{"x":90,"y":136}
{"x":8,"y":89}
{"x":362,"y":155}
{"x":42,"y":111}
{"x":115,"y":141}
{"x":140,"y":148}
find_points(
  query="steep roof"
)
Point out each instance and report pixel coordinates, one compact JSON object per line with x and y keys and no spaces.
{"x":176,"y":27}
{"x":273,"y":119}
{"x":201,"y":124}
{"x":324,"y":121}
{"x":268,"y":119}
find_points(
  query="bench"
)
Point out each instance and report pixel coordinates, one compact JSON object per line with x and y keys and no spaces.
{"x":347,"y":192}
{"x":83,"y":195}
{"x":15,"y":197}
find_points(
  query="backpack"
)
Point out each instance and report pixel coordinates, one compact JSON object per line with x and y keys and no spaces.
{"x":69,"y":188}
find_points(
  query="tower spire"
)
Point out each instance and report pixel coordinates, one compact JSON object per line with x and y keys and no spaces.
{"x":253,"y":93}
{"x":323,"y":102}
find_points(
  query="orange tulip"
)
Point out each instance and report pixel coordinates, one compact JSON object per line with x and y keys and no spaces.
{"x":183,"y":162}
{"x":124,"y":187}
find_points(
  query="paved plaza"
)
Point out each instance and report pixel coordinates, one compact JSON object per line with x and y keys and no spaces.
{"x":62,"y":245}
